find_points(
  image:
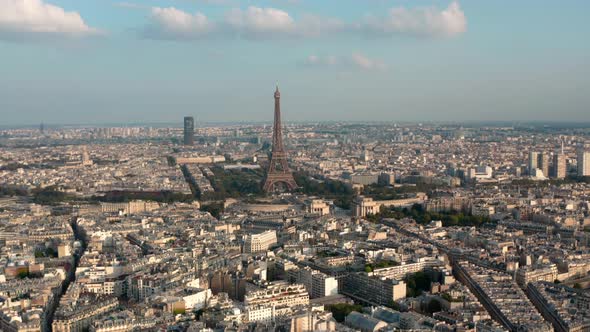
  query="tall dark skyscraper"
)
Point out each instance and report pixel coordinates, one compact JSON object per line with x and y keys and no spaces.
{"x":278,"y":175}
{"x":189,"y":130}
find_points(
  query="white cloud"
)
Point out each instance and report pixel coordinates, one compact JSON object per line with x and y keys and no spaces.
{"x":173,"y":23}
{"x":314,"y":60}
{"x":366,"y":63}
{"x":356,"y":60}
{"x":268,"y":23}
{"x":250,"y":23}
{"x":258,"y":22}
{"x":423,"y":21}
{"x":33,"y":18}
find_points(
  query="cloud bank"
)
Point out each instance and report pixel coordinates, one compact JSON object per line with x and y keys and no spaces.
{"x":424,"y":21}
{"x":171,"y":23}
{"x":23,"y":19}
{"x":267,"y":23}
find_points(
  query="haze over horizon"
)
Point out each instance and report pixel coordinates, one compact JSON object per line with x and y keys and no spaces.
{"x":154,"y":61}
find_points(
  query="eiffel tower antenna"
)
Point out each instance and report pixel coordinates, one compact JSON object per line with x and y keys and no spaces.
{"x":278,"y":172}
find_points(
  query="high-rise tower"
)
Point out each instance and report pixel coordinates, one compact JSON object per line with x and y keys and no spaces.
{"x":583,"y":161}
{"x":278,"y":175}
{"x":559,"y":165}
{"x":189,"y":130}
{"x":533,"y":161}
{"x":543,"y":163}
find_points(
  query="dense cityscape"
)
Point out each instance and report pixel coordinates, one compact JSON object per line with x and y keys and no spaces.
{"x":298,"y":227}
{"x":294,"y":166}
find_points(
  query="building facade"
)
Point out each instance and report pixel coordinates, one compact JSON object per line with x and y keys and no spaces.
{"x":583,"y":162}
{"x":559,"y":166}
{"x":543,"y":163}
{"x":318,"y":284}
{"x":533,"y":161}
{"x":274,"y":300}
{"x":260,"y":242}
{"x":374,"y":289}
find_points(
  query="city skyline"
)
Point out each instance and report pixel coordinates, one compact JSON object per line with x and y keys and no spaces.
{"x":93,"y":62}
{"x":425,"y":167}
{"x":339,"y":227}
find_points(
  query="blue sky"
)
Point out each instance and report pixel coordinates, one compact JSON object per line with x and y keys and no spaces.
{"x":103,"y":61}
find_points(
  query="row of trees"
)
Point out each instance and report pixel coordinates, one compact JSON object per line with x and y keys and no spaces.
{"x":234,"y":183}
{"x":379,"y":265}
{"x":53,"y":196}
{"x":156,"y":196}
{"x":381,"y":192}
{"x":50,"y":196}
{"x":418,"y":213}
{"x":338,"y":191}
{"x":12,"y":191}
{"x":13,"y":167}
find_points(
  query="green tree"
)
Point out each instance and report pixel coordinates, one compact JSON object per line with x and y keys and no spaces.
{"x":447,"y":297}
{"x":50,"y":252}
{"x":215,"y":208}
{"x":433,"y":306}
{"x":417,"y":283}
{"x":341,"y":310}
{"x":49,"y":196}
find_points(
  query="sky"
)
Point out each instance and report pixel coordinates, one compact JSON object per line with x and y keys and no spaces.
{"x":154,"y":61}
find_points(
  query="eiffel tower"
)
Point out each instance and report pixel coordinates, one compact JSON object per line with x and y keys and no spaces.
{"x":278,"y":175}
